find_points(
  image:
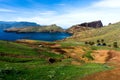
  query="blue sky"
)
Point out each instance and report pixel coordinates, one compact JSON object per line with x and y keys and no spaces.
{"x":64,"y":13}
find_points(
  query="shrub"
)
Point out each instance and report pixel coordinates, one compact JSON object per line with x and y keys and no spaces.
{"x":98,"y":41}
{"x":91,"y":43}
{"x":103,"y":44}
{"x":86,"y":42}
{"x":115,"y":45}
{"x":99,"y":44}
{"x":109,"y":45}
{"x":102,"y":40}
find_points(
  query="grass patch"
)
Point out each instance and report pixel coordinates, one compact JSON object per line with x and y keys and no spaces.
{"x":32,"y":67}
{"x":50,"y":72}
{"x":18,"y":60}
{"x":88,"y":55}
{"x":50,"y":54}
{"x":70,"y":43}
{"x":14,"y":48}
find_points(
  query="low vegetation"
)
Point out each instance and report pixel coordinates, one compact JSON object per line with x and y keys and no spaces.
{"x":22,"y":61}
{"x":71,"y":59}
{"x":109,"y":33}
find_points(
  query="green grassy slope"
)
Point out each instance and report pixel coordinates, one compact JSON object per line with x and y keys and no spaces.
{"x":110,"y":33}
{"x":20,"y":62}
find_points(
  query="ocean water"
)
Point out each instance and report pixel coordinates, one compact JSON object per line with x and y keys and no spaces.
{"x":45,"y":36}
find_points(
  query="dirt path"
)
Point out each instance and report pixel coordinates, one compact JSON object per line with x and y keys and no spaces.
{"x":106,"y":56}
{"x":76,"y":53}
{"x":106,"y":75}
{"x":110,"y":57}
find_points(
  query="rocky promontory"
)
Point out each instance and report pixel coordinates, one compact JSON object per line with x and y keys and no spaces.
{"x":85,"y":26}
{"x":93,"y":24}
{"x":48,"y":28}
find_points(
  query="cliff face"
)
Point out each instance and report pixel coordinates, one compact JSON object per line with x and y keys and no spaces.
{"x":84,"y":26}
{"x":50,"y":28}
{"x":94,"y":24}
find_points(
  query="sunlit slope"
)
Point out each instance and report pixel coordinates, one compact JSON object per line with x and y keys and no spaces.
{"x":108,"y":33}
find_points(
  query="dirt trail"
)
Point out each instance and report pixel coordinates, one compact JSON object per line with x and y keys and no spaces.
{"x":106,"y":75}
{"x":76,"y":53}
{"x":110,"y":57}
{"x":106,"y":56}
{"x":100,"y":56}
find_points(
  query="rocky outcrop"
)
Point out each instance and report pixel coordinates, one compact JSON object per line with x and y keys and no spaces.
{"x":77,"y":28}
{"x":84,"y":26}
{"x":49,"y":28}
{"x":94,"y":24}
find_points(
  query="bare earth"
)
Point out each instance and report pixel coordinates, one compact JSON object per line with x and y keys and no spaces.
{"x":109,"y":57}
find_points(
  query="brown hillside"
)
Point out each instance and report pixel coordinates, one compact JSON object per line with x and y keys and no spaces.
{"x":110,"y":57}
{"x":106,"y":75}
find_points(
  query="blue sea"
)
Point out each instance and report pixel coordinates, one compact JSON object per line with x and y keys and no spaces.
{"x":45,"y":36}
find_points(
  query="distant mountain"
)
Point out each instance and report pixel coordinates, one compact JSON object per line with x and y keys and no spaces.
{"x":5,"y":25}
{"x":48,"y":28}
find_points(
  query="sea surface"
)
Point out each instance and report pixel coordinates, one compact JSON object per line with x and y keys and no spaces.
{"x":45,"y":36}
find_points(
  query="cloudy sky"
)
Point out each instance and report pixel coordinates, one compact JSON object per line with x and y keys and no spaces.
{"x":61,"y":12}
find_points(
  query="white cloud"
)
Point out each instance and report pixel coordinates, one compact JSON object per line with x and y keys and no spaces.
{"x":108,"y":4}
{"x":6,"y":10}
{"x":108,"y":14}
{"x":64,"y":20}
{"x":69,"y":19}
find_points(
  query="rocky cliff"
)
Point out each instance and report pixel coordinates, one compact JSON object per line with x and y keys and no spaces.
{"x":85,"y":26}
{"x":94,"y":24}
